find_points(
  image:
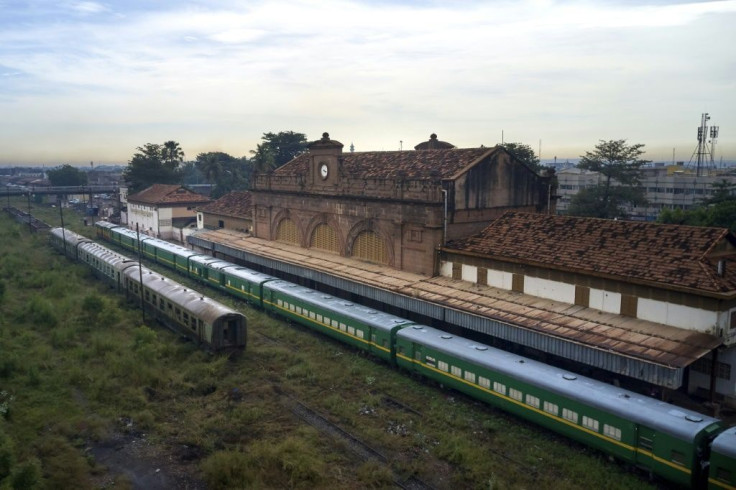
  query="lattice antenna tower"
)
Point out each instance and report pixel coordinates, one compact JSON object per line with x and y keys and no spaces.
{"x":702,"y":153}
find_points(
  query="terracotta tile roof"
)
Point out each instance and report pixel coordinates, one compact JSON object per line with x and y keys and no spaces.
{"x":167,"y":194}
{"x":425,"y":164}
{"x":235,"y":203}
{"x":669,"y":255}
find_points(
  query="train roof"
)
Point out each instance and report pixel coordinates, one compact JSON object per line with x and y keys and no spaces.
{"x":169,"y":247}
{"x":374,"y":318}
{"x":725,"y":443}
{"x":69,"y":236}
{"x":106,"y":224}
{"x":211,"y":262}
{"x":103,"y":253}
{"x":248,"y":274}
{"x":188,"y":299}
{"x":626,"y":404}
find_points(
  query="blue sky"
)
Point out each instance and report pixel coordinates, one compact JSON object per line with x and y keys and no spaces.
{"x":88,"y":81}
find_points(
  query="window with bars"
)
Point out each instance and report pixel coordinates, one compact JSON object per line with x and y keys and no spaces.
{"x":324,"y":238}
{"x":287,"y":232}
{"x":369,"y":246}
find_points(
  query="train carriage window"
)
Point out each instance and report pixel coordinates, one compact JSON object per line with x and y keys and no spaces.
{"x":515,"y":394}
{"x":170,"y":306}
{"x":351,"y":330}
{"x":572,"y":416}
{"x":147,"y":294}
{"x":469,"y":376}
{"x":499,"y":387}
{"x":482,"y":381}
{"x":319,"y":318}
{"x":646,"y":443}
{"x":551,"y":408}
{"x":186,"y":317}
{"x":343,"y":327}
{"x":532,"y":401}
{"x":299,"y":310}
{"x":678,"y":457}
{"x":161,"y":303}
{"x":327,"y":321}
{"x":193,"y":324}
{"x":280,"y":302}
{"x":418,"y":355}
{"x":292,"y":307}
{"x":312,"y":315}
{"x":456,"y":371}
{"x":442,"y":366}
{"x":334,"y":323}
{"x":359,"y":333}
{"x":373,"y":338}
{"x":723,"y":474}
{"x":385,"y":343}
{"x":590,"y":423}
{"x":612,"y":432}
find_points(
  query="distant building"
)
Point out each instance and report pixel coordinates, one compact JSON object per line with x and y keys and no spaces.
{"x":392,"y":207}
{"x":653,"y":276}
{"x":665,"y":187}
{"x":164,"y":211}
{"x":233,"y":211}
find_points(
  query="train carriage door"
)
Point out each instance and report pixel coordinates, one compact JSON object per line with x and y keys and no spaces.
{"x":645,"y":447}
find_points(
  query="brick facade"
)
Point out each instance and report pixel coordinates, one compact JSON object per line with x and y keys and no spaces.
{"x":413,"y":201}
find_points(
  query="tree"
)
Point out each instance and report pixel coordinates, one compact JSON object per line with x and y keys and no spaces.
{"x":172,"y":154}
{"x":225,"y":171}
{"x":618,"y":165}
{"x":280,"y":148}
{"x":263,"y":159}
{"x":66,"y":175}
{"x":147,"y":167}
{"x":525,"y":153}
{"x":719,"y":210}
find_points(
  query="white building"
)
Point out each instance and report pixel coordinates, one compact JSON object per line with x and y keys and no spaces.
{"x":665,"y":187}
{"x":164,"y":211}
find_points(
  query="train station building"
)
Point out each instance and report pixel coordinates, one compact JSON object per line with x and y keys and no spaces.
{"x":392,"y":207}
{"x":461,"y":240}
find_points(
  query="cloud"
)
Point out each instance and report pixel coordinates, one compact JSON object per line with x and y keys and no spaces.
{"x":539,"y":69}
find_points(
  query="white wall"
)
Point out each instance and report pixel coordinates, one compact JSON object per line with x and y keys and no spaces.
{"x":607,"y":301}
{"x":554,"y":290}
{"x":680,"y":316}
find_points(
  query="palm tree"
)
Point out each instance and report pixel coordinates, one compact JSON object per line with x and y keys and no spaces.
{"x":210,"y":166}
{"x":172,"y":154}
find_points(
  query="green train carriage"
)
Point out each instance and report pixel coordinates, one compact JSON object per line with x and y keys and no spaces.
{"x":359,"y":326}
{"x":666,"y":440}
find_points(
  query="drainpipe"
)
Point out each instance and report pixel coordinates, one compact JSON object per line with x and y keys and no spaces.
{"x":444,"y":221}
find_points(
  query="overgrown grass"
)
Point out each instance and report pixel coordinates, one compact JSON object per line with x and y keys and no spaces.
{"x":77,"y":365}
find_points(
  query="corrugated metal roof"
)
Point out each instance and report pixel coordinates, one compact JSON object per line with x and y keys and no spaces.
{"x":641,"y":349}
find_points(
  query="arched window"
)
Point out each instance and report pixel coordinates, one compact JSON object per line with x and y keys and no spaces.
{"x":369,"y":246}
{"x":287,"y":232}
{"x":324,"y":238}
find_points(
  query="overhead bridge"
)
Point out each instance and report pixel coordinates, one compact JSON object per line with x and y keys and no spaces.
{"x":60,"y":190}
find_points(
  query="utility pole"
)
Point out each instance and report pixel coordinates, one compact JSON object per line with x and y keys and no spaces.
{"x":140,"y":274}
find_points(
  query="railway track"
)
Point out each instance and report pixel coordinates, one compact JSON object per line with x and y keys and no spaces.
{"x":358,"y":447}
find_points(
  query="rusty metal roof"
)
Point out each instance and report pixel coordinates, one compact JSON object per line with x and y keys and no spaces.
{"x":645,"y":341}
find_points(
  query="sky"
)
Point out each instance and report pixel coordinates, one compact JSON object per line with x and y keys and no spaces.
{"x":84,"y":81}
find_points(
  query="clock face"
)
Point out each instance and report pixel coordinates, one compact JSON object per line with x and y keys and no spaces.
{"x":323,"y":170}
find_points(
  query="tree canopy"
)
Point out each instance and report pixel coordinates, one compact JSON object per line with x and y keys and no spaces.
{"x":278,"y":149}
{"x":619,"y":165}
{"x":719,"y":210}
{"x":66,"y":175}
{"x":153,"y":164}
{"x":228,"y":173}
{"x":525,"y":153}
